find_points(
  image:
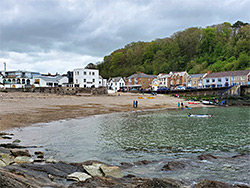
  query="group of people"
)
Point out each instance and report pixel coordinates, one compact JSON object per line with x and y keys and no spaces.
{"x":135,"y":104}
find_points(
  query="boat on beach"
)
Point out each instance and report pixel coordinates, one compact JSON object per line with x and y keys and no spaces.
{"x":191,"y":102}
{"x":207,"y":102}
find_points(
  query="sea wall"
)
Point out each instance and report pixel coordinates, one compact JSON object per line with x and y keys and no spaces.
{"x":61,"y":90}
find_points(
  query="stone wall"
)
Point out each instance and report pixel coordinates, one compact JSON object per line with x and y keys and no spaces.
{"x":61,"y":90}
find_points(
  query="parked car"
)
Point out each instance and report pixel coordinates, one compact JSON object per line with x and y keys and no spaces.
{"x":180,"y":88}
{"x":162,"y":89}
{"x":189,"y":87}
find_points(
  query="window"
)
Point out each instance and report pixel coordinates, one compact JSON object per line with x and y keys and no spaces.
{"x":194,"y":82}
{"x":93,"y":73}
{"x":143,"y":83}
{"x":93,"y":80}
{"x":77,"y":73}
{"x":226,"y":79}
{"x":84,"y":80}
{"x":77,"y":81}
{"x":84,"y":73}
{"x":243,"y":78}
{"x":89,"y":73}
{"x":213,"y":80}
{"x":207,"y":80}
{"x":219,"y":79}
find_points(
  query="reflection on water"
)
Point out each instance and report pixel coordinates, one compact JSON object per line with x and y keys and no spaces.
{"x":162,"y":136}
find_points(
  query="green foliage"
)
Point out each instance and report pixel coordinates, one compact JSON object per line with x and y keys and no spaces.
{"x":221,"y":47}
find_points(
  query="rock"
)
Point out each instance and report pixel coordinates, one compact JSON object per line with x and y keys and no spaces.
{"x":211,"y":184}
{"x":6,"y":137}
{"x":51,"y":177}
{"x":50,"y":160}
{"x":3,"y":150}
{"x":39,"y":160}
{"x":78,"y":176}
{"x":164,"y":183}
{"x":144,"y":162}
{"x":2,"y":163}
{"x":11,"y":145}
{"x":94,"y":169}
{"x":207,"y":157}
{"x":124,"y":165}
{"x":39,"y":154}
{"x":7,"y":159}
{"x":113,"y":171}
{"x":16,"y":141}
{"x":14,"y":176}
{"x":23,"y":159}
{"x":16,"y":153}
{"x":173,"y":165}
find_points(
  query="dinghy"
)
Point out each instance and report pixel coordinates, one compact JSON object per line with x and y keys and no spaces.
{"x":200,"y":115}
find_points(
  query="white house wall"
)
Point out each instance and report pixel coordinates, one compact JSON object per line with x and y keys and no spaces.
{"x":86,"y":77}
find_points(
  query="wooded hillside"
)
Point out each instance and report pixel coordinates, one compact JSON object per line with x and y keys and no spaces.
{"x":222,"y":47}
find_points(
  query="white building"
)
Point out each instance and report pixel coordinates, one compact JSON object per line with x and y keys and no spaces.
{"x":86,"y":77}
{"x":50,"y":81}
{"x":102,"y":82}
{"x":17,"y":79}
{"x":116,"y":83}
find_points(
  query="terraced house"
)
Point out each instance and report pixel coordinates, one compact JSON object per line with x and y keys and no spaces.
{"x":140,"y":80}
{"x":225,"y":79}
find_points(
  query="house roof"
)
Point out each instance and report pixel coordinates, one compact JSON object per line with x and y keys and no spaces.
{"x":115,"y":79}
{"x":197,"y":75}
{"x":141,"y":75}
{"x":228,"y":74}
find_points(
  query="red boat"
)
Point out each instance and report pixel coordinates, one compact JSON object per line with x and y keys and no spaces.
{"x":192,"y":102}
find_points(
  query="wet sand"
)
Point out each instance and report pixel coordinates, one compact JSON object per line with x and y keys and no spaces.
{"x":23,"y":109}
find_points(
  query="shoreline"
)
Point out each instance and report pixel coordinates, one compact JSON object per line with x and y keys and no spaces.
{"x":24,"y":109}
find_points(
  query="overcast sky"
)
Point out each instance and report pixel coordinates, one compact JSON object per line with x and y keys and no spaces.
{"x":60,"y":35}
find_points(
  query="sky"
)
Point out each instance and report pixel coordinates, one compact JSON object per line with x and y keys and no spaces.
{"x":57,"y":36}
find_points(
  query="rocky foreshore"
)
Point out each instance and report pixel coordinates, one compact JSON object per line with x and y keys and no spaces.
{"x":20,"y":168}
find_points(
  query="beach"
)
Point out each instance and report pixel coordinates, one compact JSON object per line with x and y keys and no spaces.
{"x":19,"y":109}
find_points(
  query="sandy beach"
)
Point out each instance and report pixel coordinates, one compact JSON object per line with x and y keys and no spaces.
{"x":23,"y":109}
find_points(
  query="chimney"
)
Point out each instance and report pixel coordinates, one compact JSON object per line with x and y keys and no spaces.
{"x":208,"y":72}
{"x":4,"y":67}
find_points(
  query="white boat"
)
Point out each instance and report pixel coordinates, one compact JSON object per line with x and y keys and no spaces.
{"x":207,"y":102}
{"x":200,"y":115}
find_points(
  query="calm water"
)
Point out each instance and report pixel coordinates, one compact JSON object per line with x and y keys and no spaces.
{"x":160,"y":135}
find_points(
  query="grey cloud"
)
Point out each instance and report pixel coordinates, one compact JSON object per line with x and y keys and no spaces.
{"x":85,"y":28}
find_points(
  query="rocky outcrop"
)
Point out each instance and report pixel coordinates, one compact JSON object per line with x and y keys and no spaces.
{"x":207,"y":157}
{"x":173,"y":165}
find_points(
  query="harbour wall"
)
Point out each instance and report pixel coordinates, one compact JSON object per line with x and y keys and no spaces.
{"x":61,"y":90}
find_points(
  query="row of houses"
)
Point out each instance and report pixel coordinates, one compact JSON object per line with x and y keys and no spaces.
{"x":175,"y":79}
{"x":83,"y":78}
{"x":76,"y":78}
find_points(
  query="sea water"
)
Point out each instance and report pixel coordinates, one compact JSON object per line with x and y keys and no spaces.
{"x":156,"y":136}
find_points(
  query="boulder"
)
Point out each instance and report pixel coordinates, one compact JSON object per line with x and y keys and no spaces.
{"x":16,"y":152}
{"x":7,"y":159}
{"x":207,"y":157}
{"x":212,"y":183}
{"x":23,"y":159}
{"x":94,"y":169}
{"x":113,"y":171}
{"x":2,"y":163}
{"x":173,"y":165}
{"x":78,"y":176}
{"x":50,"y":160}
